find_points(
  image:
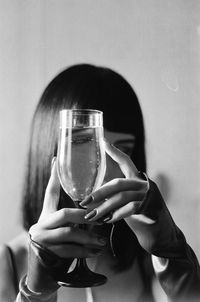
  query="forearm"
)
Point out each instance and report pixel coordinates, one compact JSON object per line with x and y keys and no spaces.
{"x":179,"y":277}
{"x":174,"y":262}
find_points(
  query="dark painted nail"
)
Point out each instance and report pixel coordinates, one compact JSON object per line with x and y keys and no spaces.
{"x":87,"y":200}
{"x":91,"y":214}
{"x":107,"y":218}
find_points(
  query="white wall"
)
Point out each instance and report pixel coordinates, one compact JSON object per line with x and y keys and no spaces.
{"x":154,"y":44}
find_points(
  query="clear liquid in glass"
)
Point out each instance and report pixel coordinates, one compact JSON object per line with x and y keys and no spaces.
{"x":81,"y":161}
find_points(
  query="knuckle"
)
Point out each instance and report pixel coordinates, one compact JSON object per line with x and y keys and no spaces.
{"x":36,"y":235}
{"x":64,"y":212}
{"x":67,"y":231}
{"x":33,"y":231}
{"x":73,"y":234}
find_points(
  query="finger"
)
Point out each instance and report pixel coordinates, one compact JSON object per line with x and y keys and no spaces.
{"x":112,"y":187}
{"x":69,"y":235}
{"x":113,"y":203}
{"x":139,"y":221}
{"x":125,"y":211}
{"x":125,"y":163}
{"x":52,"y":193}
{"x":63,"y":217}
{"x":145,"y":228}
{"x":74,"y":251}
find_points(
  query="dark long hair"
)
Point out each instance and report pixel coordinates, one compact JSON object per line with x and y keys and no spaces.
{"x":82,"y":86}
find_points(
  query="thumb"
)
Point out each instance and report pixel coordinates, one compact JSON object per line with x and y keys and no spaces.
{"x":52,"y":194}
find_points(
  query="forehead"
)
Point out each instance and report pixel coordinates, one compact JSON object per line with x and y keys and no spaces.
{"x":113,"y":137}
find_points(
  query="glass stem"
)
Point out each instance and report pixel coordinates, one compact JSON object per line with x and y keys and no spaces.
{"x":81,"y":262}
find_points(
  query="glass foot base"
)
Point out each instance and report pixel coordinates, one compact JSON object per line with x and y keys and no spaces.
{"x":82,"y":278}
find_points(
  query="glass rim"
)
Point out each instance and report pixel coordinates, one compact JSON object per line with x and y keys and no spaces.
{"x":81,"y":111}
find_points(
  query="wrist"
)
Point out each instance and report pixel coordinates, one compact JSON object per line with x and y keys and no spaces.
{"x":40,"y":278}
{"x":27,"y":292}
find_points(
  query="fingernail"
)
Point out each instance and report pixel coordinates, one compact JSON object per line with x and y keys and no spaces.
{"x":107,"y":218}
{"x":87,"y":200}
{"x":91,"y":214}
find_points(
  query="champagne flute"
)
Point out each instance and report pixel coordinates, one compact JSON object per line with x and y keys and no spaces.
{"x":81,"y":164}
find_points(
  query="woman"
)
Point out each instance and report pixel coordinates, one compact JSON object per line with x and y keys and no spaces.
{"x":146,"y":243}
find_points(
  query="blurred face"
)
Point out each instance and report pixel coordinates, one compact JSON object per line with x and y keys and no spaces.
{"x":124,"y":142}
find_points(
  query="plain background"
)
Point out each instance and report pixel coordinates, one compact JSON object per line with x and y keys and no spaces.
{"x":154,"y":44}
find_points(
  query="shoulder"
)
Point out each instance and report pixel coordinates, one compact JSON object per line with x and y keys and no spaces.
{"x":6,"y":284}
{"x":18,"y":247}
{"x":5,"y":262}
{"x":4,"y":256}
{"x":14,"y":253}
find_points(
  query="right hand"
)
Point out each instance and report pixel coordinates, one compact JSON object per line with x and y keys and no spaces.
{"x":57,"y":230}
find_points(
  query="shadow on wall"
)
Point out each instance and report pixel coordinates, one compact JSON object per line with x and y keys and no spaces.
{"x":163,"y":182}
{"x":188,"y":212}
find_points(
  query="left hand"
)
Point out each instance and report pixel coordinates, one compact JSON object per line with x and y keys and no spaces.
{"x":140,"y":204}
{"x":120,"y":197}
